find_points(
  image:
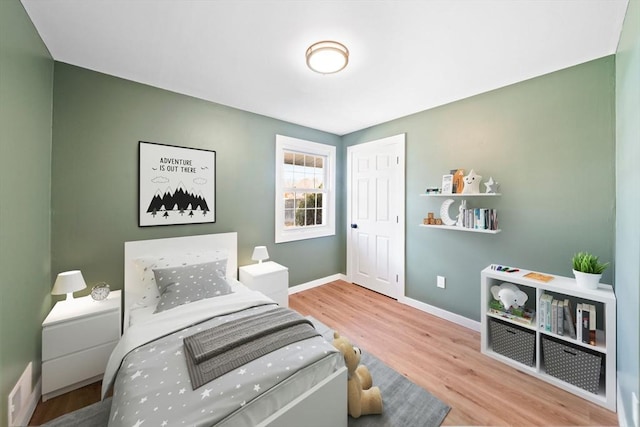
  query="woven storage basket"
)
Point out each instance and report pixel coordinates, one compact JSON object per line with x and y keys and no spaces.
{"x":576,"y":365}
{"x":512,"y":341}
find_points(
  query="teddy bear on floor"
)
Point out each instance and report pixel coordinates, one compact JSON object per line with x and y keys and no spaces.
{"x":362,"y":399}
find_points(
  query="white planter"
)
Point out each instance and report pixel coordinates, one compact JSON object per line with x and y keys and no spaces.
{"x":587,"y":280}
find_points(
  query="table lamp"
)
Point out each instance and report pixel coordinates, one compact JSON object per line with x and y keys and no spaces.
{"x":68,"y":282}
{"x":259,"y":254}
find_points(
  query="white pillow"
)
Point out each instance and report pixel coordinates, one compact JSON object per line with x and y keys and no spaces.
{"x":146,"y":264}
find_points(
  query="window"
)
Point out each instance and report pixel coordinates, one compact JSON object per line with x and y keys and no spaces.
{"x":305,"y":189}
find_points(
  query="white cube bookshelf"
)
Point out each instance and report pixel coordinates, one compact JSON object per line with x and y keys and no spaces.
{"x":560,"y":287}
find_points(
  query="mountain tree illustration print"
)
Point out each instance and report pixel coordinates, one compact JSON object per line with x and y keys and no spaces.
{"x":177,"y":185}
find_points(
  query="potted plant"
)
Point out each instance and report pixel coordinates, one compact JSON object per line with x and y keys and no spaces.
{"x":587,"y":270}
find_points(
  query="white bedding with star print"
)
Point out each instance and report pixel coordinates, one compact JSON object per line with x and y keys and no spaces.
{"x":152,"y":387}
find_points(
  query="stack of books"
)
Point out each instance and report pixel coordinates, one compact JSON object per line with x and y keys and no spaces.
{"x":556,"y":316}
{"x":480,"y":218}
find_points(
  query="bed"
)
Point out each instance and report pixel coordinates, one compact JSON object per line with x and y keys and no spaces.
{"x":300,"y":383}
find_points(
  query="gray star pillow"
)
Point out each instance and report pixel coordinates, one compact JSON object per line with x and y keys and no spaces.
{"x":185,"y":284}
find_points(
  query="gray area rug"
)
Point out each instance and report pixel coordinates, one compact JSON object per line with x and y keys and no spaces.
{"x":95,"y":415}
{"x":405,"y":404}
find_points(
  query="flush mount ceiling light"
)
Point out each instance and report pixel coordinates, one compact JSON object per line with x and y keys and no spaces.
{"x":327,"y":57}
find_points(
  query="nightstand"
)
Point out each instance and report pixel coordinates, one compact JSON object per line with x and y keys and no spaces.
{"x":270,"y":278}
{"x":77,"y":340}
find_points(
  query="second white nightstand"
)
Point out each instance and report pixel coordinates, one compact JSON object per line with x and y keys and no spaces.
{"x":77,"y":340}
{"x":270,"y":278}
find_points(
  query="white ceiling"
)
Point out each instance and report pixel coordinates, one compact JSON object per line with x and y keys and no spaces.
{"x":406,"y":56}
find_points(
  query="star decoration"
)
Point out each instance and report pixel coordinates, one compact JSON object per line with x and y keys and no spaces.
{"x":256,"y":388}
{"x":492,"y":186}
{"x":144,"y":399}
{"x":152,"y":349}
{"x":164,"y":423}
{"x":182,"y":390}
{"x":242,"y":371}
{"x":205,"y":393}
{"x":136,"y":375}
{"x":177,"y":353}
{"x":138,"y":423}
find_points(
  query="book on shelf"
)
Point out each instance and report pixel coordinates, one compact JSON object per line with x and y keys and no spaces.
{"x":523,"y":315}
{"x":592,"y":324}
{"x":569,"y":322}
{"x":585,"y":314}
{"x":560,"y":317}
{"x":545,"y":303}
{"x":554,"y":316}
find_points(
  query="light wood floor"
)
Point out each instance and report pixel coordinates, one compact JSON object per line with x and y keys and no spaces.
{"x":440,"y":356}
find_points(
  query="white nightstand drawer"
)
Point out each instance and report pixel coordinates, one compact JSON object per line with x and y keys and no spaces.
{"x":269,"y":283}
{"x":73,"y":368}
{"x":79,"y":334}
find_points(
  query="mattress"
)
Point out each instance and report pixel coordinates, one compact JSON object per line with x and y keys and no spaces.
{"x":152,"y":386}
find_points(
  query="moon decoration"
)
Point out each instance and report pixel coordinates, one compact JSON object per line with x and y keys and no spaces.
{"x":444,"y":213}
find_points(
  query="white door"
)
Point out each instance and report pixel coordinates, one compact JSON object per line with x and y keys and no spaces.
{"x":375,"y":215}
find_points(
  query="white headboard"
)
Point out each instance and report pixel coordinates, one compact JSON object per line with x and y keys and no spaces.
{"x":174,"y":245}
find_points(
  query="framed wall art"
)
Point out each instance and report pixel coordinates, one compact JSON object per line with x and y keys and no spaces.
{"x":447,"y":184}
{"x":177,"y":185}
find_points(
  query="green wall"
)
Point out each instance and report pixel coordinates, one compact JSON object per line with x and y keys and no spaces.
{"x":549,"y":142}
{"x":98,"y":121}
{"x":627,"y":208}
{"x":26,"y":90}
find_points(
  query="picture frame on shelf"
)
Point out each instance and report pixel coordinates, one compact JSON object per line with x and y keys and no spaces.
{"x":458,"y":180}
{"x":447,"y":184}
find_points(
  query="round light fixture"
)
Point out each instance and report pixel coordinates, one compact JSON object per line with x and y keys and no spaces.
{"x":327,"y":57}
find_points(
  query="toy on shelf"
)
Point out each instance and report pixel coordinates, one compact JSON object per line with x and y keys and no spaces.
{"x":472,"y":183}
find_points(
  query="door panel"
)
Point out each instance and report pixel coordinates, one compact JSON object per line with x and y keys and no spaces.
{"x":375,"y":243}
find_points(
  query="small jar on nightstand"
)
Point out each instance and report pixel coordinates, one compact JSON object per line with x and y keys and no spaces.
{"x":270,"y":278}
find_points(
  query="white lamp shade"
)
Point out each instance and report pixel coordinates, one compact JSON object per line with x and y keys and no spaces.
{"x":260,"y":253}
{"x":68,"y":282}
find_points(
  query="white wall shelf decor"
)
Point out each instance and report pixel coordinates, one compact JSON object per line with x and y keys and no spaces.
{"x":604,"y":352}
{"x":444,"y":226}
{"x":461,"y":195}
{"x":455,"y":227}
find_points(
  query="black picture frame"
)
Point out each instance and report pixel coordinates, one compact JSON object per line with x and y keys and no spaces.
{"x":176,"y":185}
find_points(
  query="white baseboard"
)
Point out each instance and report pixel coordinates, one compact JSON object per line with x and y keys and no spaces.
{"x":315,"y":283}
{"x":623,"y":415}
{"x":24,"y":417}
{"x":444,"y":314}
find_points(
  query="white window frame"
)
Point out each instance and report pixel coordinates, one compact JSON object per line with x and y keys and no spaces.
{"x":286,"y":234}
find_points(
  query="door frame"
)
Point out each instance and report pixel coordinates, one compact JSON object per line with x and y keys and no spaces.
{"x":401,"y":173}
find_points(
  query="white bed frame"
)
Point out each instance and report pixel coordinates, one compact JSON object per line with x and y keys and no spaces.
{"x":323,"y":405}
